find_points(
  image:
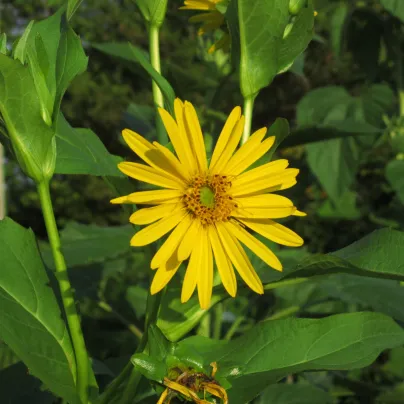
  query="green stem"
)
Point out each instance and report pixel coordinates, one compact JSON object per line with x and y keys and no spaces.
{"x":248,"y":113}
{"x":154,"y":48}
{"x":287,"y":282}
{"x":284,"y":313}
{"x":234,"y":327}
{"x":204,"y":326}
{"x":73,"y":320}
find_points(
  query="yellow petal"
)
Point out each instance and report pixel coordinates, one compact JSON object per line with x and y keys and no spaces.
{"x":171,"y":244}
{"x":246,"y":149}
{"x":256,"y":246}
{"x":280,"y":187}
{"x":223,"y":263}
{"x":198,"y":5}
{"x":147,"y":152}
{"x":231,"y":146}
{"x":263,"y":185}
{"x":180,"y":118}
{"x":195,"y":135}
{"x":299,"y":213}
{"x":264,"y":200}
{"x":148,"y":174}
{"x":264,"y":213}
{"x":188,"y":241}
{"x":260,"y":173}
{"x":191,"y":275}
{"x":161,"y":278}
{"x":177,"y":139}
{"x":225,"y":135}
{"x":157,"y":230}
{"x":151,"y":197}
{"x":274,"y":231}
{"x":163,"y":396}
{"x":239,"y":259}
{"x":151,"y":215}
{"x":253,"y":157}
{"x":205,"y":275}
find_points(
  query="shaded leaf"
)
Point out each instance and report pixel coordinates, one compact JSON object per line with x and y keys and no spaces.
{"x":80,"y":151}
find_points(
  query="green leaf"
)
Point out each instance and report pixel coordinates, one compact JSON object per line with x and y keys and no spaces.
{"x":31,"y":320}
{"x":80,"y":151}
{"x":297,"y":40}
{"x":338,"y":20}
{"x":131,"y":53}
{"x":395,"y":7}
{"x":335,"y":162}
{"x":72,"y":6}
{"x":294,"y":394}
{"x":3,"y":44}
{"x":382,"y":295}
{"x":152,"y":368}
{"x":378,"y":255}
{"x":395,"y":176}
{"x":137,"y":298}
{"x":87,"y":244}
{"x":273,"y":349}
{"x":70,"y":61}
{"x":7,"y":356}
{"x":345,"y":209}
{"x":19,"y":48}
{"x":280,"y":129}
{"x":264,"y":52}
{"x":153,"y":11}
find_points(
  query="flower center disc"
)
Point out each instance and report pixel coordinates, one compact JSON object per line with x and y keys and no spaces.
{"x":208,"y":200}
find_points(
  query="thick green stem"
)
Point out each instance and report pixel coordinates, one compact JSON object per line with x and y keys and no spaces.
{"x":73,"y":320}
{"x":154,"y":48}
{"x":248,"y":113}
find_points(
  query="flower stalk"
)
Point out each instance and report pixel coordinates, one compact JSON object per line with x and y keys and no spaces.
{"x":73,"y":320}
{"x":154,"y":48}
{"x":248,"y":113}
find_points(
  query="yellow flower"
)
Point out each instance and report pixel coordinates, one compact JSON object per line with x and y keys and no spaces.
{"x":211,"y":20}
{"x":209,"y":206}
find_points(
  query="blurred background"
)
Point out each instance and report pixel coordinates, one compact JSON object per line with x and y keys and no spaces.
{"x":347,"y":87}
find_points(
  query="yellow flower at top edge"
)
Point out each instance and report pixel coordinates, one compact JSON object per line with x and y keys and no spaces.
{"x":211,"y":20}
{"x":209,"y":207}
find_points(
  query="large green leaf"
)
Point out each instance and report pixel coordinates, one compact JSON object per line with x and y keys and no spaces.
{"x":294,"y":394}
{"x":131,"y":53}
{"x":396,"y":7}
{"x":80,"y":151}
{"x":7,"y":356}
{"x":395,"y":176}
{"x":264,"y":52}
{"x":30,"y":318}
{"x":378,"y":255}
{"x":273,"y":349}
{"x":382,"y":295}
